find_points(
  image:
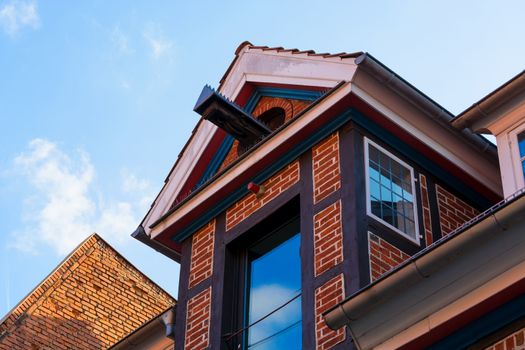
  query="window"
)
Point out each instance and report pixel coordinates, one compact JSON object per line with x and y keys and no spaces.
{"x":262,"y":303}
{"x":273,"y":307}
{"x":390,"y":191}
{"x":521,"y":147}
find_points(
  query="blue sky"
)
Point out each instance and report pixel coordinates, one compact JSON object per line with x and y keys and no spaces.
{"x":96,"y":99}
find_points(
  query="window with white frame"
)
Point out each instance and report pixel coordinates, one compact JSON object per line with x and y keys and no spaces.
{"x":521,"y":147}
{"x":390,"y":191}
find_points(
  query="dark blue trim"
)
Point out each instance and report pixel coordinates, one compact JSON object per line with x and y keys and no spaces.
{"x":266,"y":173}
{"x":220,"y":155}
{"x":484,"y":326}
{"x":216,"y":161}
{"x":259,"y":92}
{"x":424,"y":162}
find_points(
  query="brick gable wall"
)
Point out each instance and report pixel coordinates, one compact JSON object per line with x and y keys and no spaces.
{"x":453,"y":212}
{"x":383,"y":256}
{"x":291,"y":108}
{"x":275,"y":185}
{"x":91,"y":301}
{"x":515,"y":341}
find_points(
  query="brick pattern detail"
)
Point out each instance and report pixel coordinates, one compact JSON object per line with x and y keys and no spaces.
{"x":453,"y":212}
{"x":383,"y":256}
{"x":275,"y":185}
{"x":198,"y":321}
{"x":327,"y":296}
{"x":201,"y":266}
{"x":91,"y":301}
{"x":326,"y":169}
{"x":425,"y":204}
{"x":328,"y":238}
{"x":515,"y":341}
{"x":291,"y":109}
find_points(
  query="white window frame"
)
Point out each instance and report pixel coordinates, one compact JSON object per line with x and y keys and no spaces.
{"x":519,"y":176}
{"x":415,"y":239}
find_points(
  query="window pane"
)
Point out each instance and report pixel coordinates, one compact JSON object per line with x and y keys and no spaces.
{"x":275,"y":278}
{"x":391,"y":198}
{"x":521,"y":143}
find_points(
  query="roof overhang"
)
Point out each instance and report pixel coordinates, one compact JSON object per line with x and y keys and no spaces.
{"x":437,"y":290}
{"x":168,"y":224}
{"x":482,"y":116}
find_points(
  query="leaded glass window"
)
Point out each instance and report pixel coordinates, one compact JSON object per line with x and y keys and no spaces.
{"x":390,"y":191}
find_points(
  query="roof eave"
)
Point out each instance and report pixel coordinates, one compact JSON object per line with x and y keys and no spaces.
{"x":364,"y":312}
{"x":477,"y":116}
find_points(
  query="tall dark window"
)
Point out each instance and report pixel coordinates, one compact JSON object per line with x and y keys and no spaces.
{"x":273,"y":292}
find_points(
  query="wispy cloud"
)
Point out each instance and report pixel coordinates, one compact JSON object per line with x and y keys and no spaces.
{"x":159,"y":44}
{"x":16,"y":15}
{"x":63,"y":210}
{"x":120,"y":40}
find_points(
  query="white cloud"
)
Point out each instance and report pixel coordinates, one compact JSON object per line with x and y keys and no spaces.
{"x":267,"y":298}
{"x":120,"y":40}
{"x":159,"y":44}
{"x":63,"y":210}
{"x":15,"y":15}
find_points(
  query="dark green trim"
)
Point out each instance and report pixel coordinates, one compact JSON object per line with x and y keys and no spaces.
{"x":484,"y":326}
{"x":421,"y":160}
{"x":259,"y":92}
{"x":266,"y":173}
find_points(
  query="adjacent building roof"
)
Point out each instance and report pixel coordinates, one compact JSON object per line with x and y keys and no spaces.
{"x":93,"y":299}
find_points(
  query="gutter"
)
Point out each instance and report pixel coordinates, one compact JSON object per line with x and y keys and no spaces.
{"x":490,"y":102}
{"x":446,"y":271}
{"x":391,"y":79}
{"x":134,"y":339}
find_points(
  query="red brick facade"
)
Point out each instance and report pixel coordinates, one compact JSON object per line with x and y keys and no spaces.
{"x":291,"y":108}
{"x":425,"y":206}
{"x":91,"y":301}
{"x":326,"y":168}
{"x":327,"y":296}
{"x":515,"y":341}
{"x":277,"y":184}
{"x":453,"y":212}
{"x":328,"y":238}
{"x":198,"y":321}
{"x":383,"y":256}
{"x":202,"y":254}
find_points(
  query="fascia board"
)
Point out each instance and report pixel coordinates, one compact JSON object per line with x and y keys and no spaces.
{"x":258,"y":154}
{"x":286,"y":67}
{"x":452,"y":271}
{"x":178,"y":177}
{"x":432,"y":134}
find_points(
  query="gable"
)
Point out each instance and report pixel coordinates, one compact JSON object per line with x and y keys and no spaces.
{"x":91,"y":300}
{"x":324,"y":91}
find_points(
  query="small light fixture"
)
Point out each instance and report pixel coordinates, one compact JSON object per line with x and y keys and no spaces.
{"x":257,"y":190}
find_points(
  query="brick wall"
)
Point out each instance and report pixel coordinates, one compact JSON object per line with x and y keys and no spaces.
{"x":291,"y":109}
{"x":515,"y":341}
{"x":202,"y":254}
{"x":326,"y":169}
{"x":383,"y":256}
{"x":328,"y":238}
{"x":453,"y":212}
{"x":91,"y":301}
{"x":198,"y":321}
{"x":328,"y":295}
{"x":425,"y":204}
{"x":277,"y":184}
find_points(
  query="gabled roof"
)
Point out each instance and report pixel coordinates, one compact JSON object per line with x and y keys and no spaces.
{"x":361,"y":76}
{"x":94,"y":296}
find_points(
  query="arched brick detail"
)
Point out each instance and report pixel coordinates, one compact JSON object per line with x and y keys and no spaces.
{"x":291,"y":109}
